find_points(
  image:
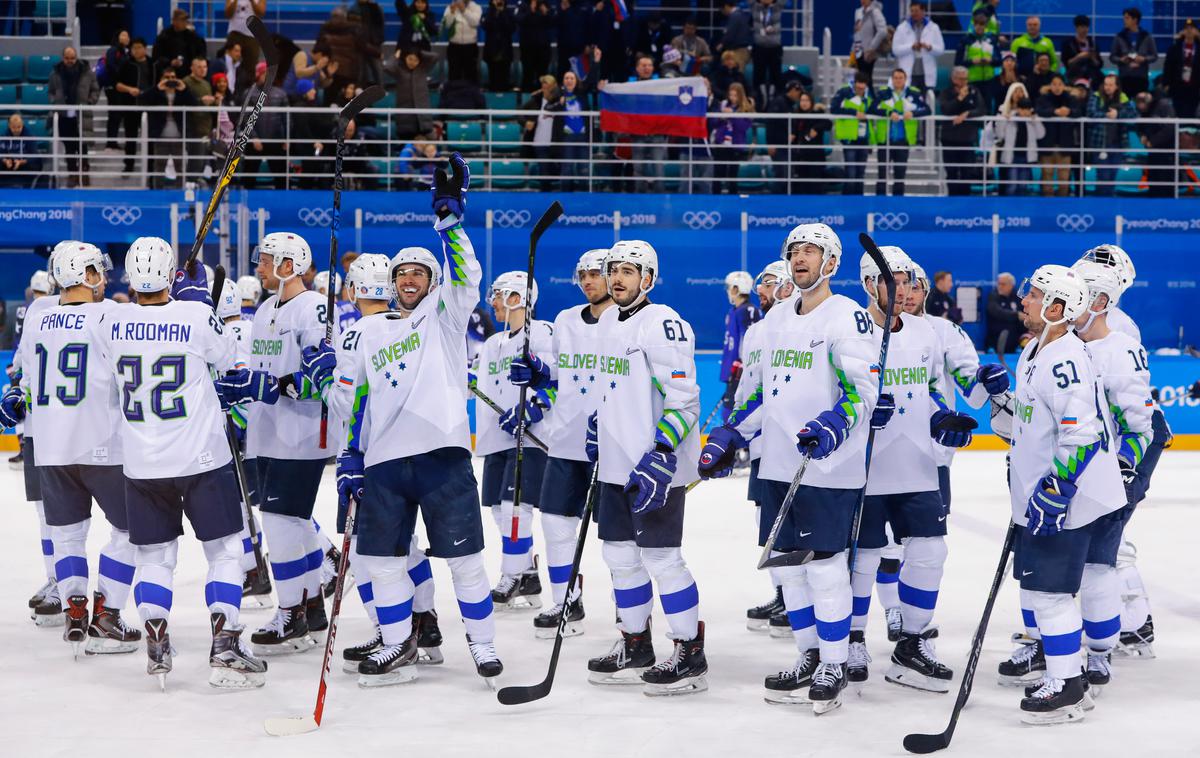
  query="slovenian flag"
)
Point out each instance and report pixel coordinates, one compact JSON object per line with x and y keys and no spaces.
{"x":1070,"y":421}
{"x":675,"y":107}
{"x":677,"y":374}
{"x":620,"y":12}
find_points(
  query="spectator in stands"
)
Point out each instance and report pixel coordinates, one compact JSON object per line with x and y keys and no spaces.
{"x":730,"y":137}
{"x":671,"y":62}
{"x":239,"y":12}
{"x":899,"y":107}
{"x":1181,"y":70}
{"x":416,"y":163}
{"x":1008,"y":77}
{"x":369,"y":17}
{"x":726,"y":74}
{"x":649,"y":152}
{"x":116,"y":54}
{"x":917,"y":45}
{"x":135,"y":80}
{"x":410,"y":75}
{"x":1081,"y":55}
{"x":535,"y":23}
{"x":1037,"y":80}
{"x":979,"y":52}
{"x":499,"y":25}
{"x":959,"y":137}
{"x":1159,"y":139}
{"x":72,"y":82}
{"x":111,"y":19}
{"x":695,"y":52}
{"x":1017,"y":133}
{"x":1132,"y":52}
{"x":1003,"y":313}
{"x":359,"y":172}
{"x":807,"y":137}
{"x":543,"y":131}
{"x":19,"y":155}
{"x":199,"y":121}
{"x":870,"y":34}
{"x":940,"y":302}
{"x":767,"y":52}
{"x":576,"y":97}
{"x":1028,"y":45}
{"x":989,"y":8}
{"x":178,"y":44}
{"x":572,"y":23}
{"x":779,"y":134}
{"x":654,"y":35}
{"x":266,"y":140}
{"x":1107,"y":139}
{"x":738,"y":33}
{"x":343,"y":39}
{"x":853,"y":130}
{"x":222,"y":136}
{"x":418,"y":25}
{"x":229,"y":62}
{"x":165,"y":122}
{"x":316,"y":68}
{"x":308,"y":129}
{"x":461,"y":23}
{"x":616,"y":38}
{"x":462,"y":94}
{"x":1057,"y":148}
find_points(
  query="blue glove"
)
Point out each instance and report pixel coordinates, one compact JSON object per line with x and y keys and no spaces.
{"x":12,"y":407}
{"x":993,"y":377}
{"x":450,"y":192}
{"x":191,"y":286}
{"x":1135,"y":483}
{"x":951,"y":429}
{"x":244,"y":386}
{"x":591,"y":444}
{"x":883,"y":411}
{"x":716,"y":459}
{"x":823,"y":435}
{"x":1047,"y":508}
{"x":533,"y":373}
{"x":652,"y":478}
{"x":225,"y":404}
{"x":351,"y":476}
{"x":534,"y":412}
{"x":317,"y":363}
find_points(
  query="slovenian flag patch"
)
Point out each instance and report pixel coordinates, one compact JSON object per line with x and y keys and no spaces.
{"x":874,"y":368}
{"x":677,"y":374}
{"x":1069,"y":421}
{"x":345,"y":380}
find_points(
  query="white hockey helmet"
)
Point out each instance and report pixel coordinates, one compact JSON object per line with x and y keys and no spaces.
{"x":514,"y":283}
{"x":919,"y":275}
{"x":778,"y":271}
{"x":249,"y":288}
{"x":370,"y":278}
{"x":71,"y":263}
{"x":229,"y":304}
{"x":209,"y":278}
{"x":592,"y":260}
{"x":41,"y":282}
{"x":1059,"y":283}
{"x":418,"y":255}
{"x":150,"y":264}
{"x":321,"y":282}
{"x":823,"y":237}
{"x":897,"y":262}
{"x":63,"y":245}
{"x":1115,"y":257}
{"x":637,"y":253}
{"x":1100,"y":280}
{"x":741,"y":281}
{"x":281,"y":246}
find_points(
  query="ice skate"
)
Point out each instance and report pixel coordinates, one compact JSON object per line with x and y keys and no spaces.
{"x":1098,"y":672}
{"x":759,"y":617}
{"x":76,"y":620}
{"x":158,"y":651}
{"x":915,"y":664}
{"x":256,"y":591}
{"x":286,"y":633}
{"x":50,"y":611}
{"x":40,"y":595}
{"x":233,"y":666}
{"x":390,"y":664}
{"x":356,"y":654}
{"x":108,"y":634}
{"x":1137,"y":644}
{"x":779,"y":626}
{"x":625,"y":663}
{"x":545,"y":624}
{"x":1057,"y":701}
{"x":857,"y":670}
{"x":519,"y":592}
{"x":329,"y":567}
{"x":487,"y":663}
{"x":314,"y":614}
{"x":791,"y":687}
{"x":17,"y":462}
{"x":895,"y":622}
{"x":683,"y":673}
{"x":429,"y":638}
{"x":826,"y":690}
{"x":1025,"y":666}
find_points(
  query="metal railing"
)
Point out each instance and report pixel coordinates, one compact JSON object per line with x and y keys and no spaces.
{"x":55,"y":18}
{"x":387,"y":153}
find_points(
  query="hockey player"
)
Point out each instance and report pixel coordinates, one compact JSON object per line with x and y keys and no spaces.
{"x":519,"y":587}
{"x":742,"y":313}
{"x":249,"y":289}
{"x":1064,"y":484}
{"x":814,"y":399}
{"x":642,"y":437}
{"x":569,"y":368}
{"x":345,"y":312}
{"x":177,"y":460}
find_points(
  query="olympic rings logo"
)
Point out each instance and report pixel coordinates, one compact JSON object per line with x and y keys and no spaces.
{"x":121,"y":215}
{"x":891,"y":222}
{"x":510,"y":219}
{"x":314,"y":216}
{"x":702,"y":219}
{"x":1074,"y":222}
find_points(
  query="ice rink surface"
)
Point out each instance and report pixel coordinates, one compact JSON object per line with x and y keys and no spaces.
{"x":102,"y":706}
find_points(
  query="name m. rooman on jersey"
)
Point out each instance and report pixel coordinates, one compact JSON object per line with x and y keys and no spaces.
{"x":140,"y":330}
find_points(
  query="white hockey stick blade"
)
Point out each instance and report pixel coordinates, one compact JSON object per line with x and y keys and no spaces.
{"x":286,"y":726}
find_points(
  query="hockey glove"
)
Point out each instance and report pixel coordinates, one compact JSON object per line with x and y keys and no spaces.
{"x":823,"y":435}
{"x":246,"y":386}
{"x":1047,"y":508}
{"x":716,"y":459}
{"x":317,"y":363}
{"x":534,"y":412}
{"x":350,"y":476}
{"x":951,"y":429}
{"x":591,"y":444}
{"x":730,"y":395}
{"x":993,"y":377}
{"x":883,"y":411}
{"x":1135,"y":488}
{"x":651,"y":478}
{"x":532,"y":373}
{"x":1193,"y":393}
{"x":191,"y":285}
{"x":450,"y":192}
{"x":12,"y":407}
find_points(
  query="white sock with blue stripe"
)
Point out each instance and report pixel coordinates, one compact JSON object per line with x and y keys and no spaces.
{"x":323,"y":541}
{"x":920,"y":579}
{"x":631,"y":585}
{"x":223,"y":589}
{"x":862,"y":582}
{"x":1028,"y":617}
{"x":887,"y":578}
{"x":289,"y":538}
{"x":1062,"y":627}
{"x":154,"y":578}
{"x":797,"y":599}
{"x":313,"y":543}
{"x":1100,"y":598}
{"x":829,"y":583}
{"x":247,"y":561}
{"x":393,"y":591}
{"x":677,"y":591}
{"x":420,"y":572}
{"x":517,"y":556}
{"x":71,"y":568}
{"x":560,"y":535}
{"x":46,"y":539}
{"x":116,"y":570}
{"x":474,"y":595}
{"x":366,"y":592}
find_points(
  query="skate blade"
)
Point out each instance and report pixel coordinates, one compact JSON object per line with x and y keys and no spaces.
{"x":821,"y":707}
{"x":1060,"y":716}
{"x":492,"y":682}
{"x":232,"y":679}
{"x":1135,"y":651}
{"x":257,"y":602}
{"x":520,"y":604}
{"x":162,"y":679}
{"x":430,"y":656}
{"x":781,"y":632}
{"x":689,"y":686}
{"x":288,"y":647}
{"x":1020,"y":681}
{"x":76,"y":649}
{"x":48,"y":620}
{"x":402,"y":675}
{"x":350,"y":667}
{"x":906,"y":677}
{"x":757,"y":625}
{"x":572,"y":629}
{"x":1089,"y":698}
{"x":782,"y":697}
{"x":626,"y":676}
{"x":290,"y":725}
{"x":108,"y":646}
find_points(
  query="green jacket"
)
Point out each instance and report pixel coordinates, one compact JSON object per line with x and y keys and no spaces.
{"x":847,"y":130}
{"x":980,"y":55}
{"x":993,"y":26}
{"x":886,"y":103}
{"x":1027,"y":51}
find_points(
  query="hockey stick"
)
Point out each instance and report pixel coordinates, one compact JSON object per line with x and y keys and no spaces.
{"x":521,"y":695}
{"x":796,"y":557}
{"x":548,"y":218}
{"x":712,"y":414}
{"x":492,"y":404}
{"x":1001,"y":346}
{"x":246,"y":122}
{"x":350,"y":111}
{"x":929,"y":743}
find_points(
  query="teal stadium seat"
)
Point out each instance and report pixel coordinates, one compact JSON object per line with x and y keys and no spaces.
{"x":504,"y":137}
{"x":509,"y":174}
{"x":501,"y":101}
{"x":38,"y":67}
{"x":465,"y":136}
{"x":12,"y":68}
{"x":8,"y":94}
{"x":35,"y":94}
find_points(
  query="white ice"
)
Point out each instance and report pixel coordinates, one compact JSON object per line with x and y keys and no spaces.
{"x":103,"y":706}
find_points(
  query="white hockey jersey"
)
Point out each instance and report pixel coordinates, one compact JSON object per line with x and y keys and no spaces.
{"x":751,"y":357}
{"x":811,"y":363}
{"x":1119,"y":321}
{"x":646,"y":370}
{"x":73,"y":392}
{"x":495,"y":357}
{"x":572,"y":361}
{"x":1058,"y":428}
{"x":289,"y":429}
{"x":339,"y":395}
{"x":955,"y":371}
{"x":238,"y":332}
{"x":24,"y":356}
{"x":163,"y":356}
{"x":1125,"y":375}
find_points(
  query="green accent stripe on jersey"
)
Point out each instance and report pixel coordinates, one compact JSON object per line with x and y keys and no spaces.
{"x":453,"y":238}
{"x":847,"y":404}
{"x":1073,"y":467}
{"x":658,"y":386}
{"x":357,"y":413}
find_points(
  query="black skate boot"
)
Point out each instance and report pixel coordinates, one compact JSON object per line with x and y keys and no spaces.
{"x":314,"y":613}
{"x":857,"y":670}
{"x":779,"y":626}
{"x":625,"y":663}
{"x":107,"y":633}
{"x":233,"y":666}
{"x":487,"y":663}
{"x":50,"y":611}
{"x":17,"y":462}
{"x":390,"y":664}
{"x":1057,"y":701}
{"x":429,"y":638}
{"x":683,"y":672}
{"x":895,"y":623}
{"x":545,"y":624}
{"x":329,"y":570}
{"x":915,"y":664}
{"x":77,"y":623}
{"x":286,"y":633}
{"x":826,"y":690}
{"x":519,"y":592}
{"x":256,"y":590}
{"x":1099,"y":671}
{"x":1025,"y":666}
{"x":758,"y":617}
{"x":36,"y":599}
{"x":791,"y":687}
{"x":356,"y":654}
{"x":1137,"y":644}
{"x":158,"y":651}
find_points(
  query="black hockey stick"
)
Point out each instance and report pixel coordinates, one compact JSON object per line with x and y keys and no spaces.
{"x":350,"y":111}
{"x":929,"y":743}
{"x":795,"y":557}
{"x":548,"y":218}
{"x":521,"y":695}
{"x":492,"y":404}
{"x":1001,"y":347}
{"x":712,"y":414}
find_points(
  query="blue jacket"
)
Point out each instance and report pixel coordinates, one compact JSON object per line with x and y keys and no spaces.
{"x":737,"y":321}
